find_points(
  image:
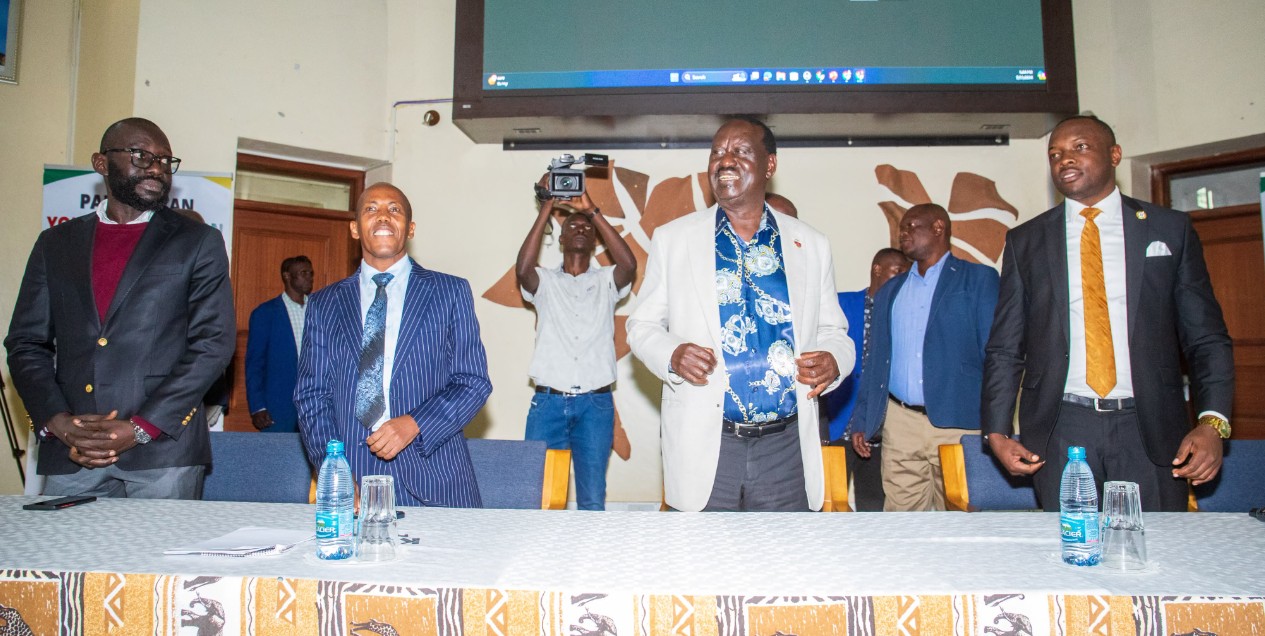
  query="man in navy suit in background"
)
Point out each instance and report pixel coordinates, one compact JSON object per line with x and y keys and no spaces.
{"x":272,"y":350}
{"x":925,"y":361}
{"x":836,"y":407}
{"x":392,"y":364}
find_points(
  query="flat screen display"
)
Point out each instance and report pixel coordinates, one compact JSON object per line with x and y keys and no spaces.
{"x":645,"y":59}
{"x":671,"y":44}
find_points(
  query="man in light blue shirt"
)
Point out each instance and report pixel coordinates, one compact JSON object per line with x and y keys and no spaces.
{"x":924,"y":364}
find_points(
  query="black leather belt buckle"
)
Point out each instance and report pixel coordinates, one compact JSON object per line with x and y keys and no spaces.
{"x":754,"y":431}
{"x":552,"y":391}
{"x":909,"y":407}
{"x":1099,"y":404}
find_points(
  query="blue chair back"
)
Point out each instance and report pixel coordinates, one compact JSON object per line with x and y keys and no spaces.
{"x":264,"y":467}
{"x":510,"y":473}
{"x":1240,"y":485}
{"x":989,"y":486}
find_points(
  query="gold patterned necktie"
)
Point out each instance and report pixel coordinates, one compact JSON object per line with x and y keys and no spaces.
{"x":1100,"y":358}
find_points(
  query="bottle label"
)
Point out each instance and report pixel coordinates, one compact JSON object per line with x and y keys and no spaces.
{"x":1079,"y":528}
{"x":327,"y":525}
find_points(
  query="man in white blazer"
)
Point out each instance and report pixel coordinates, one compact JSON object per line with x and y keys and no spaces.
{"x":738,"y":316}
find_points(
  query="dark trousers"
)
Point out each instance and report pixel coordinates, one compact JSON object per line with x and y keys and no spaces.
{"x":1114,"y":451}
{"x":763,"y":473}
{"x":865,"y":475}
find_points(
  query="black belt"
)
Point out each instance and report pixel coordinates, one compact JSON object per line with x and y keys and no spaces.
{"x":553,"y":391}
{"x":739,"y":429}
{"x":911,"y":407}
{"x":1098,"y":404}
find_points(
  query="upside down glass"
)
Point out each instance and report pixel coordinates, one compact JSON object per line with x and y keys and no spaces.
{"x":1123,"y":536}
{"x":377,"y":518}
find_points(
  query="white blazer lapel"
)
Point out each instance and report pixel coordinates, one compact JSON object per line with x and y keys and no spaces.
{"x":795,"y":262}
{"x":701,"y":254}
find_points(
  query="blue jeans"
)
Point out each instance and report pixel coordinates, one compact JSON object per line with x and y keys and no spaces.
{"x":586,"y":425}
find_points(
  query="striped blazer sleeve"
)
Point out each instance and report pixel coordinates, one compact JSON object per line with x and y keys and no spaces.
{"x":463,"y":376}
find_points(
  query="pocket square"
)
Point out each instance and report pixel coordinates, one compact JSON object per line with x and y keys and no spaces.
{"x":1158,"y":248}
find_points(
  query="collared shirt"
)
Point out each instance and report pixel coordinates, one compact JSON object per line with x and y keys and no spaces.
{"x":1110,"y":224}
{"x":395,"y":312}
{"x":575,"y":328}
{"x":911,"y":311}
{"x":757,"y":338}
{"x":297,"y":312}
{"x":105,"y":218}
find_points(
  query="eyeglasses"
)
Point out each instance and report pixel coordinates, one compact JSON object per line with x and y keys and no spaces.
{"x":143,"y":159}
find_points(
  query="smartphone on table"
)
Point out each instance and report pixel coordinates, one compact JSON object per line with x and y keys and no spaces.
{"x":59,"y":503}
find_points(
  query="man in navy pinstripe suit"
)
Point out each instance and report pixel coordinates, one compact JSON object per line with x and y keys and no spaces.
{"x":433,"y":369}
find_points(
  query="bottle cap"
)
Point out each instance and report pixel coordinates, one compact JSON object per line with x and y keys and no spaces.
{"x":336,"y":446}
{"x":1076,"y":452}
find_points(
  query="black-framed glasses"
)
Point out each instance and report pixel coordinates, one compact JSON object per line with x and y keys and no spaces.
{"x":143,"y":159}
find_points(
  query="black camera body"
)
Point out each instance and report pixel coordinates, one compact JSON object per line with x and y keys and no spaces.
{"x":564,"y":181}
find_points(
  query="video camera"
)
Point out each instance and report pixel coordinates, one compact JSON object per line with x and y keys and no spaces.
{"x":566,"y":182}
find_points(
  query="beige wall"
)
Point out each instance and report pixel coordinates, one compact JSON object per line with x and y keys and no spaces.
{"x":108,"y":35}
{"x":305,"y":73}
{"x":329,"y":85}
{"x":1169,"y":74}
{"x":36,"y":131}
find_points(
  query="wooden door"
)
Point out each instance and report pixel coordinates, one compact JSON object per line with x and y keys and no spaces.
{"x":1236,"y":263}
{"x":1233,"y":250}
{"x":264,"y":234}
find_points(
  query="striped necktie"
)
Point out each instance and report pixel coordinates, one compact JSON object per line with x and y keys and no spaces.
{"x":1100,"y":359}
{"x":370,"y":400}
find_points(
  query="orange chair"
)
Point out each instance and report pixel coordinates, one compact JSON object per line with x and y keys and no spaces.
{"x":975,"y":481}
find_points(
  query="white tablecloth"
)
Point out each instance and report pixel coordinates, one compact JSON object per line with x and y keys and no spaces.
{"x":1195,"y":554}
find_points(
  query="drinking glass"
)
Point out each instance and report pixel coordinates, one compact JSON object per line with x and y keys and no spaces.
{"x":1123,"y":536}
{"x":377,"y":518}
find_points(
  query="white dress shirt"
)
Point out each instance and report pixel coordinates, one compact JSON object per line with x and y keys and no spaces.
{"x":297,"y":313}
{"x":395,"y":312}
{"x":1111,"y":236}
{"x":105,"y":218}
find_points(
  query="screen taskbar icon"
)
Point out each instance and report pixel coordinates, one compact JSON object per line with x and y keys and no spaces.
{"x":772,"y":76}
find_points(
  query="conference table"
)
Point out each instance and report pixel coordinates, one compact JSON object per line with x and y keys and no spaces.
{"x":98,"y":568}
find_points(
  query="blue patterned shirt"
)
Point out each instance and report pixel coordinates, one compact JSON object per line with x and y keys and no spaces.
{"x":757,"y":339}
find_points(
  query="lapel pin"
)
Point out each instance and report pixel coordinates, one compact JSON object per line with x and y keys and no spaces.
{"x":1141,"y":215}
{"x":797,"y":243}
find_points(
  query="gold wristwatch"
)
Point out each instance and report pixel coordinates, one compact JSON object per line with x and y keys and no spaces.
{"x":1220,"y":424}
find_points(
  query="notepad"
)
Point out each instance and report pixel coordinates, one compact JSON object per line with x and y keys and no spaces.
{"x":246,"y":542}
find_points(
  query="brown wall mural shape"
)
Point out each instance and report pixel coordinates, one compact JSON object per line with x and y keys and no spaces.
{"x":979,"y":213}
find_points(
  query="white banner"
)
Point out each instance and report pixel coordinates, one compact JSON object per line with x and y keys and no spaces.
{"x":71,"y":192}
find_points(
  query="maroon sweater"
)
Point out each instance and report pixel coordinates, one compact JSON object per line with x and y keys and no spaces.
{"x":111,"y":250}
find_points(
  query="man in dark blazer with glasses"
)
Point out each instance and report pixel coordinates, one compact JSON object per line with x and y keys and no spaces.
{"x":123,"y":320}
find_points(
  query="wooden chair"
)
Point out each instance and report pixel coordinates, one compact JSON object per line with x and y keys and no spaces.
{"x":974,"y":480}
{"x":834,"y":461}
{"x":521,"y":474}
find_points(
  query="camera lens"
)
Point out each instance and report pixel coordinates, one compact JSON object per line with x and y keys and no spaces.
{"x":567,"y":183}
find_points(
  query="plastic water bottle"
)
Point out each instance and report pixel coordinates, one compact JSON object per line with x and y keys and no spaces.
{"x":1078,"y":511}
{"x":335,"y":505}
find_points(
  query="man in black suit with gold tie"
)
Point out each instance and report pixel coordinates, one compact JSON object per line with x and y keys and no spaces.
{"x":123,"y":320}
{"x":1101,"y":298}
